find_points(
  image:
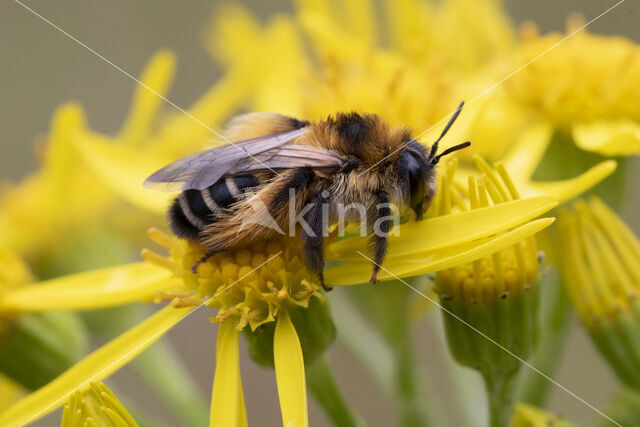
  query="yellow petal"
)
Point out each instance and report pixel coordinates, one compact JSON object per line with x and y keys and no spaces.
{"x":124,"y":169}
{"x":609,"y":137}
{"x":234,"y":29}
{"x":227,"y":401}
{"x":451,"y":230}
{"x":95,"y":367}
{"x":106,"y":287}
{"x":523,"y":159}
{"x":570,"y":188}
{"x":242,"y":409}
{"x":289,"y":364}
{"x":60,"y":161}
{"x":429,"y":261}
{"x":157,"y":76}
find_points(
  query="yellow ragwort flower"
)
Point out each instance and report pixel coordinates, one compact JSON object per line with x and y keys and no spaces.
{"x":497,"y":294}
{"x":95,"y":406}
{"x":585,"y":85}
{"x":601,"y":258}
{"x":252,"y":287}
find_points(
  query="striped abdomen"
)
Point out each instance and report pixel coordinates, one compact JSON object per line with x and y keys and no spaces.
{"x":193,"y":210}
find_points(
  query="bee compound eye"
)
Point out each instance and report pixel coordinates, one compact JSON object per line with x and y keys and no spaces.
{"x":417,"y":188}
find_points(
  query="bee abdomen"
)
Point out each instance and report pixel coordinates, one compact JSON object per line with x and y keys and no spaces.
{"x":193,"y":210}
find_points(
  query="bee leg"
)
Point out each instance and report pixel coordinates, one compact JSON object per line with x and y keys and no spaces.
{"x":313,"y":238}
{"x":194,"y":267}
{"x":381,"y":229}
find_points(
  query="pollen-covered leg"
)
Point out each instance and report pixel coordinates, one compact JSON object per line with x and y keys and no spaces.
{"x":313,"y":237}
{"x":381,"y":229}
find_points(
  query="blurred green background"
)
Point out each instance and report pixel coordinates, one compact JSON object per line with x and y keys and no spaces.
{"x":42,"y":68}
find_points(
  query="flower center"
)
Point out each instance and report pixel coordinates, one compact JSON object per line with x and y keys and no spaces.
{"x":248,"y":286}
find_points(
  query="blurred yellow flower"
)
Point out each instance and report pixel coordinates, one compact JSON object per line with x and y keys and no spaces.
{"x":585,"y":85}
{"x":95,"y":406}
{"x":601,"y":266}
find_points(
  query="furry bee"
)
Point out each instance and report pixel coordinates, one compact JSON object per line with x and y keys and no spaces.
{"x":240,"y":193}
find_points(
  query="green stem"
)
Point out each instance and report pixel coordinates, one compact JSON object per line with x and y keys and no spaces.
{"x":534,"y":388}
{"x":413,"y":411}
{"x":501,"y":396}
{"x":465,"y":384}
{"x":322,"y":384}
{"x":363,"y":343}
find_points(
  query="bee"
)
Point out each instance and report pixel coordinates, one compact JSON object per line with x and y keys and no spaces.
{"x":246,"y":191}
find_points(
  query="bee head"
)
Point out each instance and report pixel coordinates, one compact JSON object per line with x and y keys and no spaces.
{"x":417,"y":176}
{"x":418,"y":168}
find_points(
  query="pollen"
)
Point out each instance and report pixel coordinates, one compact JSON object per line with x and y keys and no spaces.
{"x":248,"y":286}
{"x":505,"y":274}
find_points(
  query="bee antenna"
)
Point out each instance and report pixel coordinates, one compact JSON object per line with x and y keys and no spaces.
{"x":450,"y":150}
{"x":434,"y":147}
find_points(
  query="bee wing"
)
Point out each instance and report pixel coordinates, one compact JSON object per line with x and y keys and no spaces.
{"x":201,"y":170}
{"x":288,"y":157}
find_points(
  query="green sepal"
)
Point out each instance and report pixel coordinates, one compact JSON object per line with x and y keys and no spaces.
{"x":493,"y":337}
{"x":37,"y":347}
{"x":512,"y":323}
{"x":313,"y":324}
{"x":618,"y":339}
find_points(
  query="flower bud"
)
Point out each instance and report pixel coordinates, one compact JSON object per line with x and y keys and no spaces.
{"x":495,"y":298}
{"x":97,"y":406}
{"x":491,"y":306}
{"x":602,"y":274}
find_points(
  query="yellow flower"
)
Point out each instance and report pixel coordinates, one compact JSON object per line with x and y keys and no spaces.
{"x":333,"y":59}
{"x":602,"y":275}
{"x":585,"y":85}
{"x":252,"y":287}
{"x":96,"y":405}
{"x":530,"y":416}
